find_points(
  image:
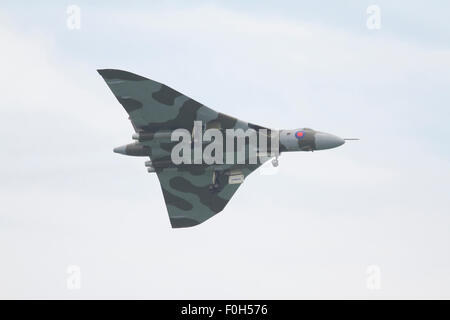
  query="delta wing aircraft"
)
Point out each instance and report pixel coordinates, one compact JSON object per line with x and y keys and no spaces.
{"x":194,"y":192}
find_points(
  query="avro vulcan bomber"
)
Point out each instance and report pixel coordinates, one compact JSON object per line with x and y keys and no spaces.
{"x":192,"y":148}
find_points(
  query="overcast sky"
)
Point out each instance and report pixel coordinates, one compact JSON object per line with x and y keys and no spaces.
{"x":311,"y":229}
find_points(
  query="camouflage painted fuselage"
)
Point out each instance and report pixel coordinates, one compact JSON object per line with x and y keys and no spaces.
{"x":193,"y":192}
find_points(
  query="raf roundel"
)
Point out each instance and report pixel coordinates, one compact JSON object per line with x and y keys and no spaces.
{"x":299,"y":134}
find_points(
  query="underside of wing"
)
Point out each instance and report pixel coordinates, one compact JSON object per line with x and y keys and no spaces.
{"x":188,"y":195}
{"x":153,"y":106}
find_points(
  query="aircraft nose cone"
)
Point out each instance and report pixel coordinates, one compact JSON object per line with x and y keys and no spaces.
{"x":327,"y":141}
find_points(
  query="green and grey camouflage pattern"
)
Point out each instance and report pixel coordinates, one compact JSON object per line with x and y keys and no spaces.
{"x":194,"y":192}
